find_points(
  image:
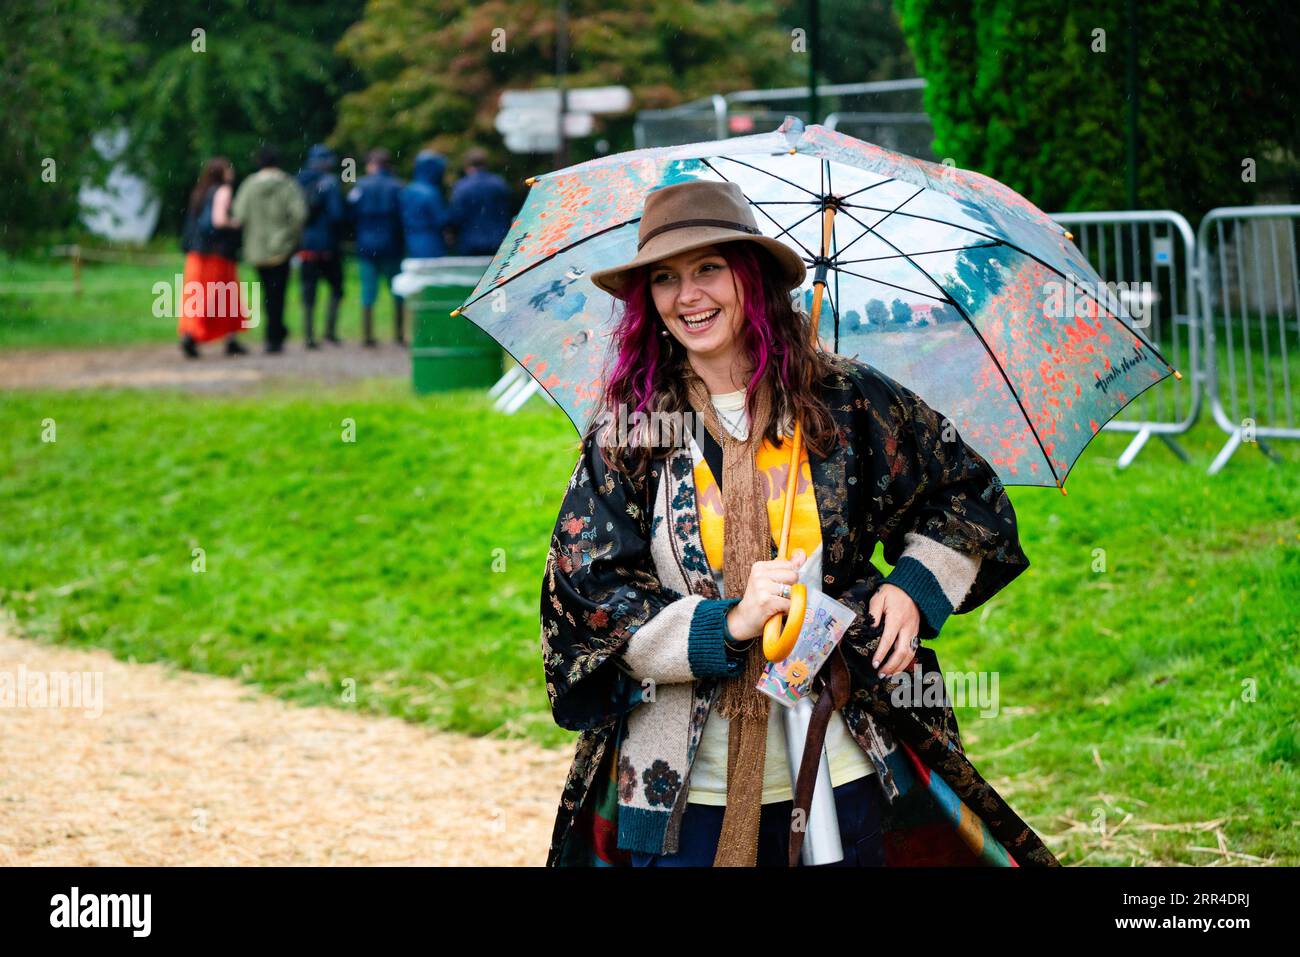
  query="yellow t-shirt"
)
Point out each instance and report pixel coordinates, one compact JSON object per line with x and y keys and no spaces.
{"x":708,"y":780}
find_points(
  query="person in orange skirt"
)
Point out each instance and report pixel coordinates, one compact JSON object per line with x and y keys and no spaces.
{"x":211,"y":243}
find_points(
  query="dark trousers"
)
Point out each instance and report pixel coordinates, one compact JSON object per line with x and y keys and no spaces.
{"x":329,"y":269}
{"x":275,"y":281}
{"x":858,"y":806}
{"x":314,"y":269}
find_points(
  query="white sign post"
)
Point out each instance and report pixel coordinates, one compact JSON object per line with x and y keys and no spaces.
{"x":529,"y":119}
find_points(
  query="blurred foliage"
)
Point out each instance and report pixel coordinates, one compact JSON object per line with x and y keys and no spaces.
{"x":1016,"y":92}
{"x":433,"y":78}
{"x":1217,"y":85}
{"x":861,"y":41}
{"x":267,"y":73}
{"x":62,"y":69}
{"x":69,"y":69}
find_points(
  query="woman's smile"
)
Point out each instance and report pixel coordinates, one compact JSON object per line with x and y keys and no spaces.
{"x":701,"y":321}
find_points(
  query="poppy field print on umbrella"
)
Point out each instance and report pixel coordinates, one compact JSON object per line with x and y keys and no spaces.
{"x":943,"y":279}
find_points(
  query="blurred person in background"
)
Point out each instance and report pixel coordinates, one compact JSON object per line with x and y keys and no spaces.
{"x":375,"y":204}
{"x":210,"y":240}
{"x":424,"y":211}
{"x":271,"y":208}
{"x":320,"y":253}
{"x":481,"y":207}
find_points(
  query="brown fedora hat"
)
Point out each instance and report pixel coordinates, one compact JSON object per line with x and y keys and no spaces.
{"x":687,"y":216}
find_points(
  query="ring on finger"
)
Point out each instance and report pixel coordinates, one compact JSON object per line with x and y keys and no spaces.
{"x":785,"y":591}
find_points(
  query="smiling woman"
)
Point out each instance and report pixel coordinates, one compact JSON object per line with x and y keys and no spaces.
{"x":702,"y":305}
{"x":663,"y":571}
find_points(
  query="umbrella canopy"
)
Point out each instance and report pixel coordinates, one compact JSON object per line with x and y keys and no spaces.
{"x":943,"y":279}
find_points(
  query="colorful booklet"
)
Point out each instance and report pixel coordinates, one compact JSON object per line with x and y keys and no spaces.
{"x":824,"y":624}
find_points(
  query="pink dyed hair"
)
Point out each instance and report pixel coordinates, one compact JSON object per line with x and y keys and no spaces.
{"x":640,"y":349}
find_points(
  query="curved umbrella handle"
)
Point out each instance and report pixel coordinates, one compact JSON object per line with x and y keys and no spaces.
{"x":775,"y":637}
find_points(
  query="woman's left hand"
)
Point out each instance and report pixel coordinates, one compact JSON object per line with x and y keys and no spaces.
{"x":902,"y":624}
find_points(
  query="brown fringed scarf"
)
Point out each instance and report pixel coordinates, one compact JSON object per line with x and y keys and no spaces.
{"x":747,"y":538}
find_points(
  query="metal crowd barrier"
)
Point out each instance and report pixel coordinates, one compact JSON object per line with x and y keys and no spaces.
{"x":1222,"y":304}
{"x":1250,"y":292}
{"x":1155,"y":250}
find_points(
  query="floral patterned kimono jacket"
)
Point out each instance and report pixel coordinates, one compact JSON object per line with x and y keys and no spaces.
{"x":627,"y":587}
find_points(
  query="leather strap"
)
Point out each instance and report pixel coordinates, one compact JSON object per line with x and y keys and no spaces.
{"x":834,"y":694}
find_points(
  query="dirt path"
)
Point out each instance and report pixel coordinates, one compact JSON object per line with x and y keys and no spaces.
{"x":188,"y":769}
{"x":155,"y":366}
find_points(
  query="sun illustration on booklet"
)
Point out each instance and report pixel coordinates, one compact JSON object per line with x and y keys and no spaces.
{"x":824,"y":624}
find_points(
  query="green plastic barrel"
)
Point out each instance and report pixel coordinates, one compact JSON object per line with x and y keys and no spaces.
{"x":447,"y":352}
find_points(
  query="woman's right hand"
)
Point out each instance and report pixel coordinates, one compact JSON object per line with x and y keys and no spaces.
{"x":762,"y":598}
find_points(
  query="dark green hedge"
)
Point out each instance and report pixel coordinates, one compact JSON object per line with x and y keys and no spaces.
{"x":1016,"y":91}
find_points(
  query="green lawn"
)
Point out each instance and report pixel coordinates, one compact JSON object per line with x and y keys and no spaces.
{"x":39,"y":306}
{"x":1164,"y":688}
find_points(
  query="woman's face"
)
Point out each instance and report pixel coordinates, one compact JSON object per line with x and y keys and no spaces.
{"x":699,"y":286}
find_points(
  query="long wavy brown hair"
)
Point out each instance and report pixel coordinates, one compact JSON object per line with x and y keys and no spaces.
{"x":648,"y":368}
{"x":214,"y":174}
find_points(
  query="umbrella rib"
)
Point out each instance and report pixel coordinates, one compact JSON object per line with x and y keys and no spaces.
{"x":832,"y":252}
{"x":759,"y":169}
{"x":835,"y":312}
{"x":998,"y":365}
{"x":1014,"y":394}
{"x":868,"y":230}
{"x":1025,"y":252}
{"x":811,"y":254}
{"x":871,"y":230}
{"x":786,"y":230}
{"x":546,"y":259}
{"x":914,"y":292}
{"x":1102,"y":308}
{"x":927,"y":252}
{"x":883,"y":182}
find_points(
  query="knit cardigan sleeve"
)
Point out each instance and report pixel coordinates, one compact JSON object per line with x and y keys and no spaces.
{"x":609,"y":627}
{"x":947,"y":525}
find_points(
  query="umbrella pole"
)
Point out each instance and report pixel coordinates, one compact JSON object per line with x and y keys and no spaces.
{"x":821,"y":830}
{"x":774,"y":624}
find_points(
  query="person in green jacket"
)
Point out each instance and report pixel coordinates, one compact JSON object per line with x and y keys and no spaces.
{"x":272,"y":210}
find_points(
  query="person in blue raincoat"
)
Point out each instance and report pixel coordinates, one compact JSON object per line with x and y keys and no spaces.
{"x":376,"y":208}
{"x":424,"y":211}
{"x":481,"y":207}
{"x":319,"y":250}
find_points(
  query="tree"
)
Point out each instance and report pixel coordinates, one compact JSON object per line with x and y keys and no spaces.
{"x":221,"y":77}
{"x":860,"y":41}
{"x":62,"y":66}
{"x":1032,"y":93}
{"x":434,"y":69}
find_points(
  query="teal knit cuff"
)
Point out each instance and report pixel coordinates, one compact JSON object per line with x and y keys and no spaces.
{"x":923,"y":588}
{"x":704,"y":648}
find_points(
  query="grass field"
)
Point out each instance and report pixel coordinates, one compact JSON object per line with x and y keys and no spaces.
{"x":39,"y":306}
{"x":1136,"y":703}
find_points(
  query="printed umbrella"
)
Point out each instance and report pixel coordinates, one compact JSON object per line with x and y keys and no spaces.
{"x":945,"y":280}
